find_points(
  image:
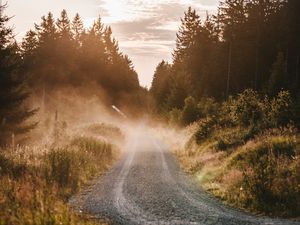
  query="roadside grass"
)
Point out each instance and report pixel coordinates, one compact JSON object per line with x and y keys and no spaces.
{"x":107,"y":132}
{"x":35,"y":183}
{"x":259,"y":172}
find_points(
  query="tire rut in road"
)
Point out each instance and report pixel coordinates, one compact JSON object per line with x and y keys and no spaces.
{"x":147,"y":186}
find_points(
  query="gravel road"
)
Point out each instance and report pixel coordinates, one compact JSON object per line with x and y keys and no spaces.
{"x":148,"y":187}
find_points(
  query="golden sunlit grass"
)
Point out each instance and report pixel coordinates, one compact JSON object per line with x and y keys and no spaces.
{"x":35,"y":185}
{"x":248,"y":174}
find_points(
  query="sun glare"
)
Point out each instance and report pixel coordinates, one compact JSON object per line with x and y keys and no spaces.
{"x":126,"y":10}
{"x":116,"y":10}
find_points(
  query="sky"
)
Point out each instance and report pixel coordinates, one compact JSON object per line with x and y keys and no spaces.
{"x":145,"y":29}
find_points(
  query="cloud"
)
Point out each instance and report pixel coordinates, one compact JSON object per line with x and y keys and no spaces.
{"x":146,"y":29}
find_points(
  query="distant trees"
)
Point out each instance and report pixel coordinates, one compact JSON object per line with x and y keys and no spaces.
{"x":14,"y":113}
{"x":160,"y":84}
{"x":59,"y":54}
{"x":249,"y":44}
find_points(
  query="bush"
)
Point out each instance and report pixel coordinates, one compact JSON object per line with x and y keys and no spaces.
{"x":280,"y":113}
{"x":205,"y":128}
{"x":175,"y":116}
{"x":236,"y":138}
{"x":247,"y":109}
{"x":207,"y":107}
{"x":190,"y":112}
{"x":224,"y":115}
{"x":296,"y":110}
{"x":271,"y":176}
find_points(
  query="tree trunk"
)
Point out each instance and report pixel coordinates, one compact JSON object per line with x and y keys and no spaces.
{"x":229,"y":68}
{"x":297,"y":68}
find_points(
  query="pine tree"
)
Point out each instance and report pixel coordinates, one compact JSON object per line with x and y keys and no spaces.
{"x":179,"y":91}
{"x":98,"y":28}
{"x":14,"y":114}
{"x":30,"y":43}
{"x":77,"y":29}
{"x":93,"y":44}
{"x":190,"y":25}
{"x":160,"y":87}
{"x":64,"y":26}
{"x":111,"y":46}
{"x":66,"y":48}
{"x":47,"y":32}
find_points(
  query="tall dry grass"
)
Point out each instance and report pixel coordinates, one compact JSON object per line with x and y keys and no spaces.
{"x":35,"y":183}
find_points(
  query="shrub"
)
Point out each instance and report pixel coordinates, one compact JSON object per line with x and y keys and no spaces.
{"x":207,"y":107}
{"x":247,"y":108}
{"x":271,"y":180}
{"x":175,"y":116}
{"x":280,"y":109}
{"x":296,"y":110}
{"x":190,"y":112}
{"x":236,"y":138}
{"x":205,"y":128}
{"x":225,"y":115}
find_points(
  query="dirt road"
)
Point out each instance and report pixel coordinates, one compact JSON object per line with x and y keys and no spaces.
{"x":148,"y":187}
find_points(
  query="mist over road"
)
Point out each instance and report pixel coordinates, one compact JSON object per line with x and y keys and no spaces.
{"x":148,"y":187}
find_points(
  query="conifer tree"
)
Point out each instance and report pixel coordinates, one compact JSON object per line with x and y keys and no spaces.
{"x":30,"y":43}
{"x":112,"y":48}
{"x":186,"y":35}
{"x":64,"y":26}
{"x":47,"y":31}
{"x":77,"y":29}
{"x":13,"y":93}
{"x":160,"y":87}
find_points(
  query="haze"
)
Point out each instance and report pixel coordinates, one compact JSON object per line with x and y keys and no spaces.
{"x":145,"y":29}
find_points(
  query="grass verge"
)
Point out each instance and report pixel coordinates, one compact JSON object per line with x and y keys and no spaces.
{"x":35,"y":184}
{"x":259,"y":172}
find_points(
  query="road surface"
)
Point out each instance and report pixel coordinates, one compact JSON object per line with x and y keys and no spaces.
{"x":148,"y":187}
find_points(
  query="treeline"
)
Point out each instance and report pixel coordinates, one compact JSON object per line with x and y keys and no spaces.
{"x":248,"y":44}
{"x":60,"y":53}
{"x":235,"y":78}
{"x":60,"y":59}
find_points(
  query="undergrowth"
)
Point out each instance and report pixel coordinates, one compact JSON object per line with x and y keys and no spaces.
{"x":248,"y":154}
{"x":36,"y":184}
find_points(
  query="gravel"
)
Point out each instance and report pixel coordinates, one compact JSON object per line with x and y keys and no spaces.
{"x":147,"y":186}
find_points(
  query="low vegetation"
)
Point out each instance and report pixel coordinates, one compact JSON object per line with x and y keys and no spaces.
{"x":106,"y":131}
{"x":246,"y":152}
{"x":35,"y":183}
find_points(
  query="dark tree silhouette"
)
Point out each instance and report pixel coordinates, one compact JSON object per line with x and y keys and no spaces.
{"x":14,"y":114}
